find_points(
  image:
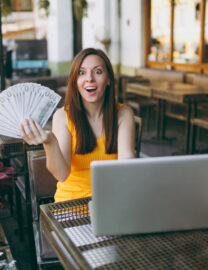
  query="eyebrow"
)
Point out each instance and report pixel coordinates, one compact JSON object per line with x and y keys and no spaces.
{"x":93,"y":67}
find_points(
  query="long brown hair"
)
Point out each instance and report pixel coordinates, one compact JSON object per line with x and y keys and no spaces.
{"x":85,"y":138}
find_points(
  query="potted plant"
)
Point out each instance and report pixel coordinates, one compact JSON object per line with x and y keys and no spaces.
{"x":80,"y":8}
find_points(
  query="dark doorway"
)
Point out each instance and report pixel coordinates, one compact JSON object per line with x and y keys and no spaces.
{"x":77,"y":33}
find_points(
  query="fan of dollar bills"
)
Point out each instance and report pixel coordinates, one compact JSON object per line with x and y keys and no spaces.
{"x":22,"y":101}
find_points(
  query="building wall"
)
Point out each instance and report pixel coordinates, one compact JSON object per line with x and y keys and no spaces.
{"x":60,"y":37}
{"x":93,"y":24}
{"x":116,"y":26}
{"x":120,"y":21}
{"x":132,"y":35}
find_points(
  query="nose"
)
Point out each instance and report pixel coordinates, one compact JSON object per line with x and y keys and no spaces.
{"x":89,"y":76}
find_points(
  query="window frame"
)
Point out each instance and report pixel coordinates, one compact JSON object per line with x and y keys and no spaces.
{"x":200,"y":67}
{"x":16,"y":6}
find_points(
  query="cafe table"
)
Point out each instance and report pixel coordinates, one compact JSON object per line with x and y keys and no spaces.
{"x":180,"y":93}
{"x":67,"y":227}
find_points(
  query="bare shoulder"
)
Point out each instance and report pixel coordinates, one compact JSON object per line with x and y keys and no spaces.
{"x":60,"y":116}
{"x":59,"y":120}
{"x":125,"y":113}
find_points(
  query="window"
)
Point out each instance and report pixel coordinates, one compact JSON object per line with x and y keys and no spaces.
{"x":177,"y":34}
{"x":160,"y":31}
{"x":21,"y":5}
{"x":205,"y":52}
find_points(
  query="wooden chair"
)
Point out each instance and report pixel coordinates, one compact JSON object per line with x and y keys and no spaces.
{"x":42,"y":190}
{"x":138,"y":122}
{"x":197,"y":123}
{"x":42,"y":186}
{"x":143,"y":105}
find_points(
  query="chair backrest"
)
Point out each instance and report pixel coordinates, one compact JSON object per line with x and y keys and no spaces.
{"x":161,"y":74}
{"x":125,"y":80}
{"x":42,"y":182}
{"x":42,"y":190}
{"x":138,"y":122}
{"x":200,"y":80}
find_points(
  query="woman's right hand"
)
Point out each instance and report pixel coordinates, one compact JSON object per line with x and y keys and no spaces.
{"x":33,"y":134}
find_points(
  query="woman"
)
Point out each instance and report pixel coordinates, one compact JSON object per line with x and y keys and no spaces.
{"x":90,"y":126}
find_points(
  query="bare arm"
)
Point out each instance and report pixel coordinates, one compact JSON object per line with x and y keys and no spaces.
{"x":126,"y":133}
{"x":59,"y":153}
{"x":57,"y":144}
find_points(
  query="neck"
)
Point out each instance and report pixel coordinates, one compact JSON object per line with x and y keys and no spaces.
{"x":94,"y":111}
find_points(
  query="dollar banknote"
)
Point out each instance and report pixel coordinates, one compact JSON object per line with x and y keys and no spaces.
{"x":24,"y":100}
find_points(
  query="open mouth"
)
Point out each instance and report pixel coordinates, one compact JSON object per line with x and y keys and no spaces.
{"x":90,"y":89}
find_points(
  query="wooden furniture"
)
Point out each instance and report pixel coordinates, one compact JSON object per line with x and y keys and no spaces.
{"x":42,"y":187}
{"x":144,"y":90}
{"x":5,"y":252}
{"x":153,"y":75}
{"x":6,"y":190}
{"x":15,"y":150}
{"x":138,"y":124}
{"x":197,"y":123}
{"x":179,"y":93}
{"x":143,"y":105}
{"x":168,"y":41}
{"x":9,"y":147}
{"x":67,"y":227}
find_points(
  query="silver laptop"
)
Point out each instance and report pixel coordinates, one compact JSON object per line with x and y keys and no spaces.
{"x":147,"y":195}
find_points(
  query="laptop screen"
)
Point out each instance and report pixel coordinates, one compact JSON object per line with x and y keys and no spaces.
{"x":149,"y":194}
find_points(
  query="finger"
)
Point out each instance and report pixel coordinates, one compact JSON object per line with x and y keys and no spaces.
{"x":34,"y":128}
{"x":24,"y":135}
{"x":46,"y":135}
{"x":41,"y":135}
{"x":27,"y":133}
{"x":22,"y":130}
{"x":26,"y":127}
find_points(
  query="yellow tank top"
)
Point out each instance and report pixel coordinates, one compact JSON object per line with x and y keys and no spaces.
{"x":78,"y":185}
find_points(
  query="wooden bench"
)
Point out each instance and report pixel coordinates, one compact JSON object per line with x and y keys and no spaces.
{"x":5,"y":252}
{"x":197,"y":123}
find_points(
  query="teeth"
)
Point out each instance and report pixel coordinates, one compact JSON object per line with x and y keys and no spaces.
{"x":90,"y":88}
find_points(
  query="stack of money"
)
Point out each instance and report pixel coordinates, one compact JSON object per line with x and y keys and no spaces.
{"x":22,"y":101}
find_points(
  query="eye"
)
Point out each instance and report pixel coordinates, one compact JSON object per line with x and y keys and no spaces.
{"x":98,"y":71}
{"x":81,"y":72}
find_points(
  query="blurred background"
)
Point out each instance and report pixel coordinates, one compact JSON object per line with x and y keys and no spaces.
{"x":44,"y":35}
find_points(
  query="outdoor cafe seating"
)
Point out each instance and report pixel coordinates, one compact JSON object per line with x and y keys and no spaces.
{"x":179,"y":95}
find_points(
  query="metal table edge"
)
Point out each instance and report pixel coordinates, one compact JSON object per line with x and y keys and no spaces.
{"x":48,"y":220}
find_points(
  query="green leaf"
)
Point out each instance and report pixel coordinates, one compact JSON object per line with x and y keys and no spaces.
{"x":6,"y":7}
{"x":45,"y":4}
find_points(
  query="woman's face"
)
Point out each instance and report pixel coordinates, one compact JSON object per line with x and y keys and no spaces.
{"x":92,"y":79}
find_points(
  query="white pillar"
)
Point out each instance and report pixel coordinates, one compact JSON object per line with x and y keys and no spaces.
{"x":141,"y":47}
{"x":132,"y":35}
{"x":60,"y":37}
{"x":114,"y":29}
{"x":94,"y":24}
{"x":102,"y":25}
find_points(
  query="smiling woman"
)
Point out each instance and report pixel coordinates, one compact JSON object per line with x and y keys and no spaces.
{"x":90,"y":126}
{"x":93,"y":79}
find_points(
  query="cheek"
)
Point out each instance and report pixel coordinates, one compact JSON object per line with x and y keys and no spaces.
{"x":79,"y":83}
{"x":104,"y":82}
